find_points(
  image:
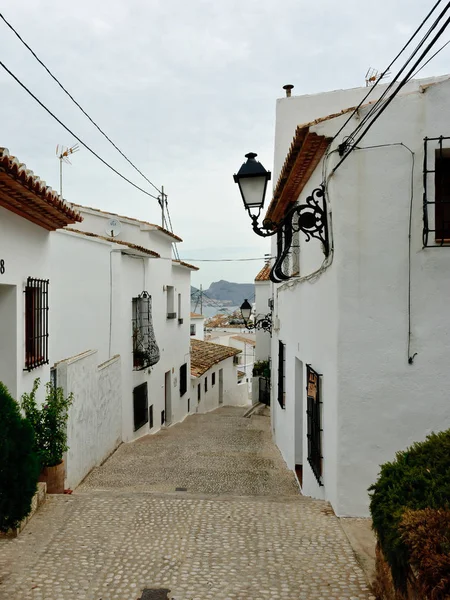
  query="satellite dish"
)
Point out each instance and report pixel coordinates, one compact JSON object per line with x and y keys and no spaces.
{"x":113,"y":227}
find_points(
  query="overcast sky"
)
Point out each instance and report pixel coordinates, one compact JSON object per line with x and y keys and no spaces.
{"x":185,"y":88}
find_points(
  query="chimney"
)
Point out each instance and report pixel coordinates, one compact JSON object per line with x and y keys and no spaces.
{"x":288,"y":89}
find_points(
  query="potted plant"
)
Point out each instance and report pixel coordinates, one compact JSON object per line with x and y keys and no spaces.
{"x":50,"y":429}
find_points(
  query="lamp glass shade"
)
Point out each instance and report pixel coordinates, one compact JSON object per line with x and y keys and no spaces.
{"x":246,"y":310}
{"x":253,"y":190}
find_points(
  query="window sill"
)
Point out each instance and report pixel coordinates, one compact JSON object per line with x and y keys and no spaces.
{"x":171,"y":315}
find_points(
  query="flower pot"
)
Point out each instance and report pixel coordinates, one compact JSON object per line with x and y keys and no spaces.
{"x":54,"y":478}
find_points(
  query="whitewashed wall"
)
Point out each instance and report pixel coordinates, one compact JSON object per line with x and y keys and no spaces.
{"x":199,"y":324}
{"x":94,"y":428}
{"x":351,"y":323}
{"x":263,"y":293}
{"x":234,"y":394}
{"x":24,"y":248}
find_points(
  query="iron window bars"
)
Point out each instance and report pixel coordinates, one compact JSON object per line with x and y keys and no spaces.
{"x":438,"y":222}
{"x":140,"y":406}
{"x":145,"y":348}
{"x":281,"y":370}
{"x":183,"y":379}
{"x":314,"y":420}
{"x":36,"y":323}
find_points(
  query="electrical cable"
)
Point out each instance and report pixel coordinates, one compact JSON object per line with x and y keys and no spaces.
{"x":388,"y":67}
{"x":431,"y":58}
{"x":394,"y":94}
{"x":74,"y":135}
{"x":379,"y":104}
{"x":75,"y":102}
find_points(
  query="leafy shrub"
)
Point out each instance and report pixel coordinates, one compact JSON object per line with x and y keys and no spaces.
{"x":426,"y":534}
{"x":418,"y":478}
{"x":49,"y":422}
{"x":262,"y":368}
{"x":19,"y":465}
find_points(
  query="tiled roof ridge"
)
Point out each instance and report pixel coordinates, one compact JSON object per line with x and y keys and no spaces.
{"x":18,"y":171}
{"x":107,"y":212}
{"x":263,"y":274}
{"x":197,"y":316}
{"x":185,"y":264}
{"x":115,"y":241}
{"x":243,"y":339}
{"x":205,"y":355}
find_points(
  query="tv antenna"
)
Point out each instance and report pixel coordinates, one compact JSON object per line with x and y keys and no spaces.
{"x":373,"y":76}
{"x":63,"y":153}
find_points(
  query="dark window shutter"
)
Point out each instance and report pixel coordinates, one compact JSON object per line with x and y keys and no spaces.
{"x":281,"y":360}
{"x":183,"y":379}
{"x":140,"y":406}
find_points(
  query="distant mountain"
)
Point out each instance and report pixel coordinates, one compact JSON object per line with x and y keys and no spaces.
{"x":234,"y":293}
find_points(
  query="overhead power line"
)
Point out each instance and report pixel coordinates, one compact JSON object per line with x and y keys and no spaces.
{"x":76,"y":103}
{"x":74,"y":135}
{"x":388,"y":68}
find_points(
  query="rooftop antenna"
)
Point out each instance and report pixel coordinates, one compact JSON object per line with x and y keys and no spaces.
{"x":63,"y":153}
{"x":373,"y":76}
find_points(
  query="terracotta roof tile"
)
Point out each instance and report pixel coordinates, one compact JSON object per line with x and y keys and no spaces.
{"x":304,"y":155}
{"x":263,"y":275}
{"x":204,"y":355}
{"x":197,"y":316}
{"x":104,"y":212}
{"x":245,"y":340}
{"x":116,"y":241}
{"x":22,"y":192}
{"x":241,"y":373}
{"x":185,"y":264}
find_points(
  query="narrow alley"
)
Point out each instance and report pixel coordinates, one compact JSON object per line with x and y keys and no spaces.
{"x":205,"y":509}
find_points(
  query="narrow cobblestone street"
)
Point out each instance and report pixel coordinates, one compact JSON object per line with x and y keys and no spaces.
{"x":241,"y":530}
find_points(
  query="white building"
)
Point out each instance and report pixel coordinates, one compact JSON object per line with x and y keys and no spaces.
{"x":197,"y":330}
{"x":263,"y":301}
{"x":214,"y":379}
{"x":104,"y":304}
{"x":29,"y":211}
{"x":361,"y":343}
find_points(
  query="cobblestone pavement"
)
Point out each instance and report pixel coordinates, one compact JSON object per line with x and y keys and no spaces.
{"x":110,"y":544}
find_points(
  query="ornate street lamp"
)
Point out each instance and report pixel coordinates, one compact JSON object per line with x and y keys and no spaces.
{"x":264,"y":323}
{"x":310,"y":217}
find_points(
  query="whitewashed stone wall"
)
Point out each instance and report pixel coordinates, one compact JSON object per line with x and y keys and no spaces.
{"x":95,"y":418}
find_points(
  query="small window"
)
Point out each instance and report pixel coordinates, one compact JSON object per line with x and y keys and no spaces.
{"x":183,"y":379}
{"x":442,"y":195}
{"x":189,"y":405}
{"x":171,"y":314}
{"x":206,"y":384}
{"x":281,"y":374}
{"x":314,"y":433}
{"x":193,"y":329}
{"x":150,"y":416}
{"x":199,"y":393}
{"x":163,"y":417}
{"x":36,"y":323}
{"x":179,"y":306}
{"x":213,"y":379}
{"x":140,"y":406}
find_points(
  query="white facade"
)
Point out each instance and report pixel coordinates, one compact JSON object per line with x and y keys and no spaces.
{"x":221,"y":387}
{"x":263,"y":298}
{"x":197,"y":326}
{"x":350,"y":321}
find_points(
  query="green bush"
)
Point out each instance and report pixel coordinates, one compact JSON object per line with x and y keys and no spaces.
{"x":19,"y":464}
{"x":49,"y":422}
{"x":262,"y":368}
{"x":418,"y":478}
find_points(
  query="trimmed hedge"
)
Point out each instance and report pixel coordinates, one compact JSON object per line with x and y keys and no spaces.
{"x":19,"y":464}
{"x":426,"y":533}
{"x":418,"y":478}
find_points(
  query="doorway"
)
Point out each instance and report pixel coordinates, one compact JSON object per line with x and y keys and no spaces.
{"x":298,"y":428}
{"x":8,"y":333}
{"x":220,"y":386}
{"x":168,"y":398}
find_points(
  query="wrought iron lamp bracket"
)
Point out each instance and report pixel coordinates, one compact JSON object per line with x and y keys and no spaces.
{"x":264,"y":323}
{"x":310,"y":218}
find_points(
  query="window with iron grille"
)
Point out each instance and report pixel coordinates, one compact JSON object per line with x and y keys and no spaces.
{"x":314,"y":419}
{"x":436,"y":203}
{"x":145,"y":348}
{"x":183,"y":379}
{"x":213,"y":379}
{"x":36,"y":323}
{"x":281,"y":374}
{"x":140,"y":406}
